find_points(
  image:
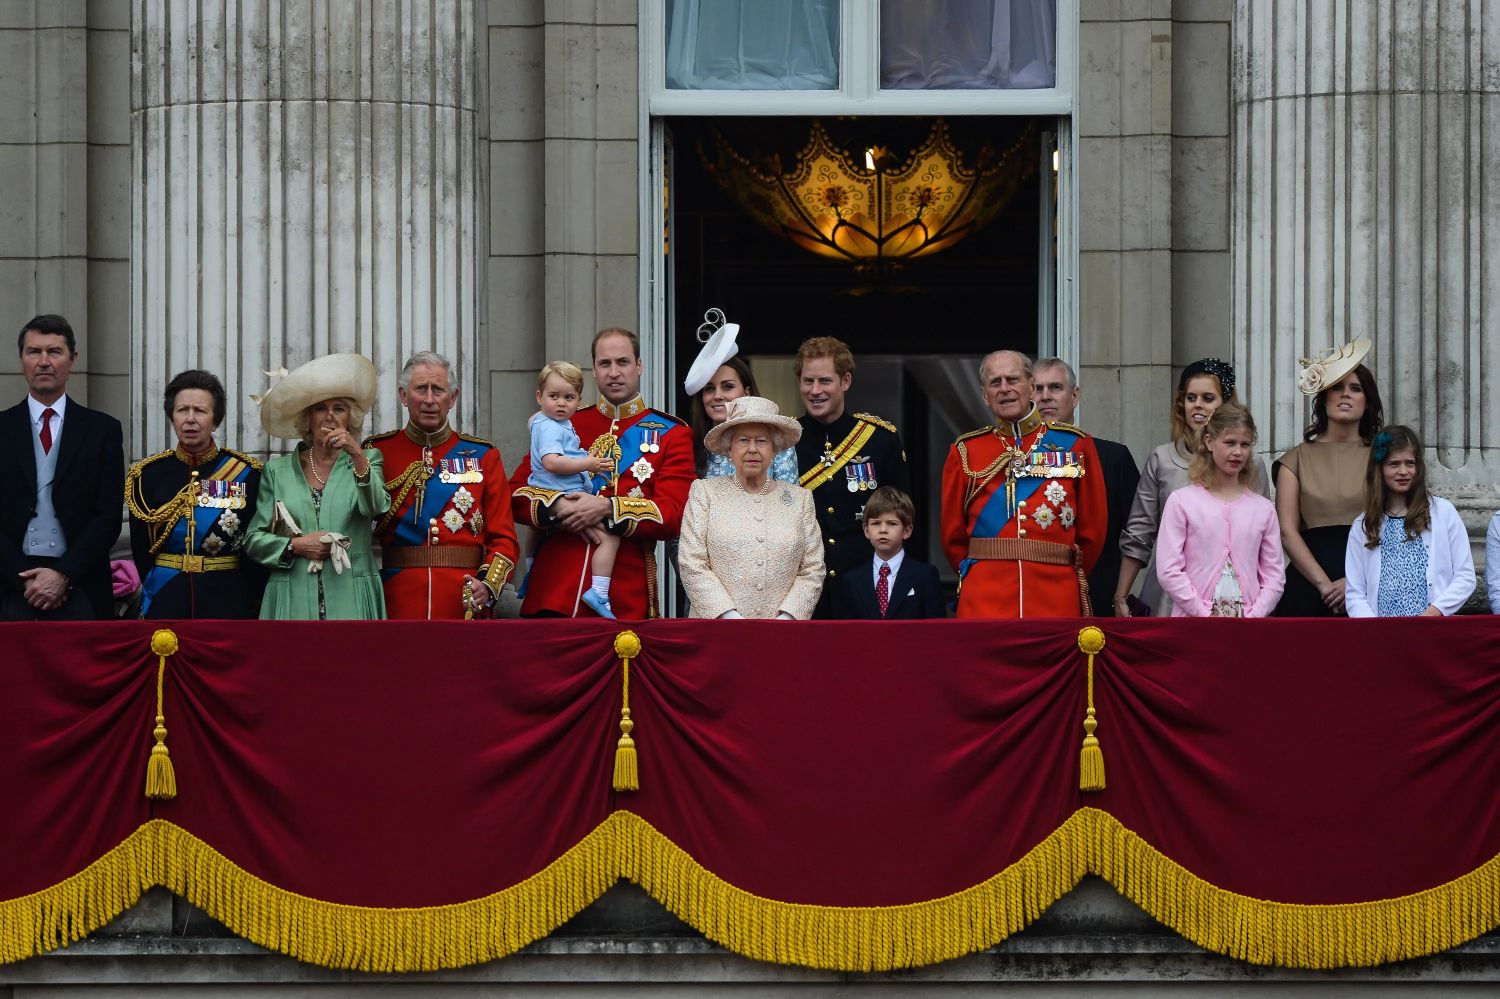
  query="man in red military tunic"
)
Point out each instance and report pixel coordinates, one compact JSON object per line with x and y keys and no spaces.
{"x":449,"y":540}
{"x":641,"y":500}
{"x":1024,"y":511}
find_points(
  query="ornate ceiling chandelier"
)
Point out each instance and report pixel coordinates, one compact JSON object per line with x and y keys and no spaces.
{"x":866,"y":206}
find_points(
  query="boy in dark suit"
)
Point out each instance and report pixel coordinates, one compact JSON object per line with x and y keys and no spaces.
{"x":893,"y":586}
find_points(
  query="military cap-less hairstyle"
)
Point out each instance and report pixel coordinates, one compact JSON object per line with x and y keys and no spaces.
{"x":52,"y":326}
{"x":635,"y":341}
{"x":566,"y":370}
{"x":195,"y":379}
{"x":826,"y":346}
{"x":889,"y":499}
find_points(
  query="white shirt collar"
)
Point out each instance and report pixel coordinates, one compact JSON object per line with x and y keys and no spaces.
{"x":37,"y":408}
{"x":895,"y":565}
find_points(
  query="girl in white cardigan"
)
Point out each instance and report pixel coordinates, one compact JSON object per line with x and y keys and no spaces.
{"x":1408,"y":553}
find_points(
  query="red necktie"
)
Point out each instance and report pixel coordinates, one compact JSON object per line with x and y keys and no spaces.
{"x":47,"y":415}
{"x":883,"y":588}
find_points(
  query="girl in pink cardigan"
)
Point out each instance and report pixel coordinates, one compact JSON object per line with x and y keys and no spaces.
{"x":1219,"y":546}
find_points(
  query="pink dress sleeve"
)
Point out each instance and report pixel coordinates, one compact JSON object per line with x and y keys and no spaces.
{"x":1171,"y":559}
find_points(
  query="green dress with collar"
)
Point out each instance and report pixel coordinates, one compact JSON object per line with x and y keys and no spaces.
{"x":346,"y":506}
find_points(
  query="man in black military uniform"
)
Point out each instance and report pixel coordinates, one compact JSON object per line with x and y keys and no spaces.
{"x":842,"y":457}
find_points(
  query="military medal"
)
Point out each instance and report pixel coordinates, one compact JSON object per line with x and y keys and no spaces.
{"x":476,"y":523}
{"x":652,"y":442}
{"x":642,"y":469}
{"x":463,"y":499}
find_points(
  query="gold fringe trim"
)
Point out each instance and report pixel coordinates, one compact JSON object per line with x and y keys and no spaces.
{"x":840,"y":938}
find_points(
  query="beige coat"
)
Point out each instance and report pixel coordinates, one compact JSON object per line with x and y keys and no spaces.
{"x":756,"y":554}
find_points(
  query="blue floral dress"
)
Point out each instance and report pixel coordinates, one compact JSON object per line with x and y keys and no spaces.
{"x":1403,"y":571}
{"x":783,"y":466}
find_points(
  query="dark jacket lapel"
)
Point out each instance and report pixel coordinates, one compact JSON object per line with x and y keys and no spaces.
{"x":18,"y":434}
{"x":76,"y":425}
{"x":903,"y":581}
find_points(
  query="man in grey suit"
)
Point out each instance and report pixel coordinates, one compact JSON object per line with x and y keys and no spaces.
{"x":62,"y":485}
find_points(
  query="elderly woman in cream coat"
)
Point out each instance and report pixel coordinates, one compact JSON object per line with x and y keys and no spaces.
{"x":750,"y":545}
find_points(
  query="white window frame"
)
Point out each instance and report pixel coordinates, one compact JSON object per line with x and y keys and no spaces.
{"x":859,"y":93}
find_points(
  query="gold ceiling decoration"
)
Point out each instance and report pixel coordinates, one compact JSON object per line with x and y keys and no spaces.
{"x":863,"y":205}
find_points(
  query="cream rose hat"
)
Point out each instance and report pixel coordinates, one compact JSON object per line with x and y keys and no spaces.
{"x":1330,"y":367}
{"x":748,"y":409}
{"x":334,"y":376}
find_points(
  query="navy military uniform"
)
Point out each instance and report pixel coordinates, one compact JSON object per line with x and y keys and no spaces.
{"x":187,"y":525}
{"x":842,"y":463}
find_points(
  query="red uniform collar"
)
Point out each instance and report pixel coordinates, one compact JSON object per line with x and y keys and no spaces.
{"x":1028,"y":424}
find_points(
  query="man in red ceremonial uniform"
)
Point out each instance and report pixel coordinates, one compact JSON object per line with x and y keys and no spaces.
{"x":1024,"y":510}
{"x":642,"y":500}
{"x":449,"y":540}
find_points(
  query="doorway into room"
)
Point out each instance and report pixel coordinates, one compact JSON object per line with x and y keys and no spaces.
{"x":919,"y":307}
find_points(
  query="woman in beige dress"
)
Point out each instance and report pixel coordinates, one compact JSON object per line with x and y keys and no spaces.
{"x":750,"y":545}
{"x":1320,"y":483}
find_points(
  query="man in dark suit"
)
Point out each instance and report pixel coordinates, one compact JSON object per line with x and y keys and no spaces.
{"x":1055,"y":391}
{"x":62,"y":486}
{"x":892,"y":586}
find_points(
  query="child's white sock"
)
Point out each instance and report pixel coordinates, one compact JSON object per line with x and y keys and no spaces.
{"x":601,"y":586}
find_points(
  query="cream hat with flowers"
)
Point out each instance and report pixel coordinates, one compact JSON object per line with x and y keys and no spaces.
{"x":334,"y":376}
{"x":752,"y":409}
{"x":1329,"y":368}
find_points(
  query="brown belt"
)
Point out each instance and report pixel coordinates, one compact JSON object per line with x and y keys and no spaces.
{"x":432,"y":557}
{"x":1046,"y":552}
{"x":1024,"y":550}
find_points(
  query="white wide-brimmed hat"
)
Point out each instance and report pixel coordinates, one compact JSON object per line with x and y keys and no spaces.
{"x":334,"y":376}
{"x":1329,"y":368}
{"x":718,"y":339}
{"x":752,"y":409}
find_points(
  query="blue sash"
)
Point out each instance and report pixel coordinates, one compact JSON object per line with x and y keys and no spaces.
{"x":997,"y":511}
{"x":204,"y":518}
{"x":412,"y":531}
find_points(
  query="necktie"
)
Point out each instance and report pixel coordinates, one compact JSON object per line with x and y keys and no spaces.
{"x":883,"y":588}
{"x":47,"y":415}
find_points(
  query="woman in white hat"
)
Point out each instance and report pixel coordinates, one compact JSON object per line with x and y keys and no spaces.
{"x":717,"y":378}
{"x":312,"y":524}
{"x":1320,"y":483}
{"x":750,"y":545}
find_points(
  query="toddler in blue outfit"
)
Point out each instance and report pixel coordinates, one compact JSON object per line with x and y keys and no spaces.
{"x":558,"y":461}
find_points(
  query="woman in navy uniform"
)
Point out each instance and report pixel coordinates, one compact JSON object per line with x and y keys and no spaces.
{"x":189,"y":508}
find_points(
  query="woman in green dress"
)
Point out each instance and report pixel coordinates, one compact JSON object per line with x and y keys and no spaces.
{"x":313,"y":522}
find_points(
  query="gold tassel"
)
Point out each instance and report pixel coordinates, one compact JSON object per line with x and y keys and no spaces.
{"x":1091,"y":757}
{"x":627,"y":773}
{"x":161,"y":779}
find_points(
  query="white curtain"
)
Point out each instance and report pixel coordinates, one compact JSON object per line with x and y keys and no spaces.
{"x":753,"y":44}
{"x":968,"y":44}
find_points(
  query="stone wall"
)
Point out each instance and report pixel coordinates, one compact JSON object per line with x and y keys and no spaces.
{"x":562,"y":146}
{"x":65,"y":213}
{"x":1153,"y":157}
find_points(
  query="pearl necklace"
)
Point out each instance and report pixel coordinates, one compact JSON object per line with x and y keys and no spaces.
{"x":312,"y":466}
{"x":755,"y":492}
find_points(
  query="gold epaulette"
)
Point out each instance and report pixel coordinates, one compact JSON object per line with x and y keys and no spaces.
{"x":378,"y":437}
{"x":136,"y":468}
{"x":974,"y":433}
{"x":475,"y":440}
{"x":872,"y":418}
{"x":248,"y":459}
{"x":1066,"y":427}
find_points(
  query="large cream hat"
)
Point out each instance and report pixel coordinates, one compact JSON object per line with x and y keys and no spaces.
{"x":334,"y":376}
{"x":718,"y":339}
{"x":747,"y":409}
{"x":1329,"y":368}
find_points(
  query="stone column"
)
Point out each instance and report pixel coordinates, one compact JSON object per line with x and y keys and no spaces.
{"x":305,"y":181}
{"x":1367,"y":203}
